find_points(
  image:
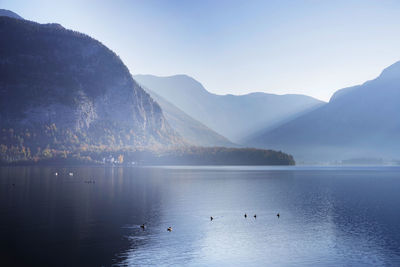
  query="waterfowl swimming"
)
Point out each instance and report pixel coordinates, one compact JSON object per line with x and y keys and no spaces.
{"x":142,"y":226}
{"x":211,"y":218}
{"x":255,"y":216}
{"x":169,"y":229}
{"x":277,"y":215}
{"x":71,"y":174}
{"x":245,"y":215}
{"x":56,"y":173}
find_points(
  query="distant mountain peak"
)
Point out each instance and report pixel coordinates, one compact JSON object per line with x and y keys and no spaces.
{"x":172,"y":83}
{"x":233,"y":116}
{"x":9,"y":13}
{"x":391,"y":72}
{"x":388,"y":75}
{"x":358,"y":121}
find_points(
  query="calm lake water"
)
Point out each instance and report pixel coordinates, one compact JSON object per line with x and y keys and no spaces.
{"x":329,"y":216}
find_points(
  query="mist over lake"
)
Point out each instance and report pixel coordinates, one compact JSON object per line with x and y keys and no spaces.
{"x":328,"y":216}
{"x":199,"y":133}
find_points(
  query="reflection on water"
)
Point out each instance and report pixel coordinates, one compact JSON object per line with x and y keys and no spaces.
{"x":328,"y":216}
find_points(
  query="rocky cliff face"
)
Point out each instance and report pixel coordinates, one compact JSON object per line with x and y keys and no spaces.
{"x":53,"y":78}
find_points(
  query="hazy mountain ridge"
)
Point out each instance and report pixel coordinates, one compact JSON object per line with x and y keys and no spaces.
{"x":9,"y":13}
{"x":193,"y":131}
{"x":58,"y":79}
{"x":65,"y":98}
{"x":233,"y":116}
{"x":358,"y":121}
{"x":249,"y":138}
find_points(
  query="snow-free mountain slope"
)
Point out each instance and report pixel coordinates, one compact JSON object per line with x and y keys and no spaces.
{"x":359,"y":121}
{"x":233,"y":116}
{"x":193,"y":131}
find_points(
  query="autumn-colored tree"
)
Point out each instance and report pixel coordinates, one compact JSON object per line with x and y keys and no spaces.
{"x":121,"y":158}
{"x":47,"y":153}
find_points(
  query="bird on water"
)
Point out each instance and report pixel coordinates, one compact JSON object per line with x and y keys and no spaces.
{"x":278,"y":215}
{"x":169,"y":229}
{"x":255,"y":216}
{"x":245,"y":215}
{"x":211,"y":218}
{"x":142,"y":226}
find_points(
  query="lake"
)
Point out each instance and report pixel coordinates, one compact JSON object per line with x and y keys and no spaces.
{"x":328,"y":216}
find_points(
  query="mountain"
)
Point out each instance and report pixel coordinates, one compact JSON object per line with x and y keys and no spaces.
{"x":358,"y":122}
{"x":230,"y":115}
{"x":193,"y":131}
{"x":9,"y":13}
{"x":61,"y":90}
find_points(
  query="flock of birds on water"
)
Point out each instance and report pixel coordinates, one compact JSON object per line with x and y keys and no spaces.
{"x":143,"y":226}
{"x":169,"y":229}
{"x":72,"y":174}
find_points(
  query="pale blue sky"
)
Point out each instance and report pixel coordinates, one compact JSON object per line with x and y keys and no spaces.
{"x":308,"y":47}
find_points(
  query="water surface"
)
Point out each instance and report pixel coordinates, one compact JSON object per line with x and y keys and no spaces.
{"x":329,"y":216}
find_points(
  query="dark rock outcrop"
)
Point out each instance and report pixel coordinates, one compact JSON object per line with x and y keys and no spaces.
{"x":63,"y":90}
